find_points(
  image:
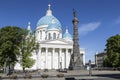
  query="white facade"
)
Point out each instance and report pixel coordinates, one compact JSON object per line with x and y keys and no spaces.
{"x":55,"y":49}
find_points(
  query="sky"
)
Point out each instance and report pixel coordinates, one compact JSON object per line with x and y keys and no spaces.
{"x":98,"y":19}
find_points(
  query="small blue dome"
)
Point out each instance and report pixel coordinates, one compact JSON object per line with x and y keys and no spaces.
{"x":46,"y":20}
{"x":67,"y":35}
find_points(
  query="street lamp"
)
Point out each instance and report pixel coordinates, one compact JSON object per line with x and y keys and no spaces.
{"x":90,"y":71}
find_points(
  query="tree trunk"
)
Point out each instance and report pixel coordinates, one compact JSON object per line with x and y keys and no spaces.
{"x":24,"y":71}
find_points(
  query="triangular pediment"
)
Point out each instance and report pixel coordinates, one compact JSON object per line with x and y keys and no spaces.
{"x":61,"y":41}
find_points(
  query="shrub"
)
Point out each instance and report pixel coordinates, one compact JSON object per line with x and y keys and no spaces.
{"x":13,"y":76}
{"x":44,"y":75}
{"x":28,"y":76}
{"x":60,"y":75}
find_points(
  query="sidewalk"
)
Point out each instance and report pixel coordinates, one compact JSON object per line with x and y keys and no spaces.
{"x":76,"y":74}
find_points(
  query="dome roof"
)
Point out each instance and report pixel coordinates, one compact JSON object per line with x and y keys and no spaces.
{"x":29,"y":28}
{"x":47,"y":20}
{"x":67,"y":35}
{"x":53,"y":27}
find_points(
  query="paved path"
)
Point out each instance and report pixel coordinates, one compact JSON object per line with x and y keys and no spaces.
{"x":76,"y":74}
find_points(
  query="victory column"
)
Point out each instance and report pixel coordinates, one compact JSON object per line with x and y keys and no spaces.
{"x":76,"y":62}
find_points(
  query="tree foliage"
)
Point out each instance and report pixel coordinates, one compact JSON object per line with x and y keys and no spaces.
{"x":113,"y":51}
{"x":27,"y":47}
{"x":10,"y":38}
{"x":16,"y":45}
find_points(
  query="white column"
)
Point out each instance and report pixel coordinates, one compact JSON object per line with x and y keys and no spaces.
{"x":46,"y":58}
{"x":59,"y":58}
{"x":66,"y":58}
{"x":53,"y":52}
{"x":39,"y":53}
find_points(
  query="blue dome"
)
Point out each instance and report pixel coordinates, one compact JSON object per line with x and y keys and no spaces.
{"x":67,"y":35}
{"x":46,"y":20}
{"x":53,"y":26}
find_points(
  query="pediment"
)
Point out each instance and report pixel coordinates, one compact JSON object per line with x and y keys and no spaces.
{"x":57,"y":42}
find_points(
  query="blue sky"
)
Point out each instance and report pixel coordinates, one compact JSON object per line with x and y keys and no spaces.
{"x":98,"y":19}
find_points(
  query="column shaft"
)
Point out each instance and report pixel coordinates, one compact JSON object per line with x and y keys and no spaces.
{"x":39,"y":62}
{"x":66,"y":58}
{"x":53,"y":52}
{"x":60,"y":57}
{"x":46,"y":58}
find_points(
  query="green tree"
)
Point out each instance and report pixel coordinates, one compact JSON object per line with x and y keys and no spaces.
{"x":10,"y":38}
{"x":113,"y":51}
{"x":27,"y":47}
{"x":106,"y":62}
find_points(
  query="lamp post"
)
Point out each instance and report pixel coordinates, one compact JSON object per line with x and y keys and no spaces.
{"x":90,"y":71}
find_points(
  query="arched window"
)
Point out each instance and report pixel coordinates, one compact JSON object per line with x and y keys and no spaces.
{"x":49,"y":36}
{"x":54,"y":35}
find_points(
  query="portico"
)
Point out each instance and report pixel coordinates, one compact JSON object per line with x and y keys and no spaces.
{"x":53,"y":57}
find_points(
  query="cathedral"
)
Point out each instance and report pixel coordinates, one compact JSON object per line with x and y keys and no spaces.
{"x":55,"y":48}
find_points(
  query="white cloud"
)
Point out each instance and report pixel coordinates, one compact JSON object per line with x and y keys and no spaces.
{"x":85,"y":28}
{"x":117,"y":21}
